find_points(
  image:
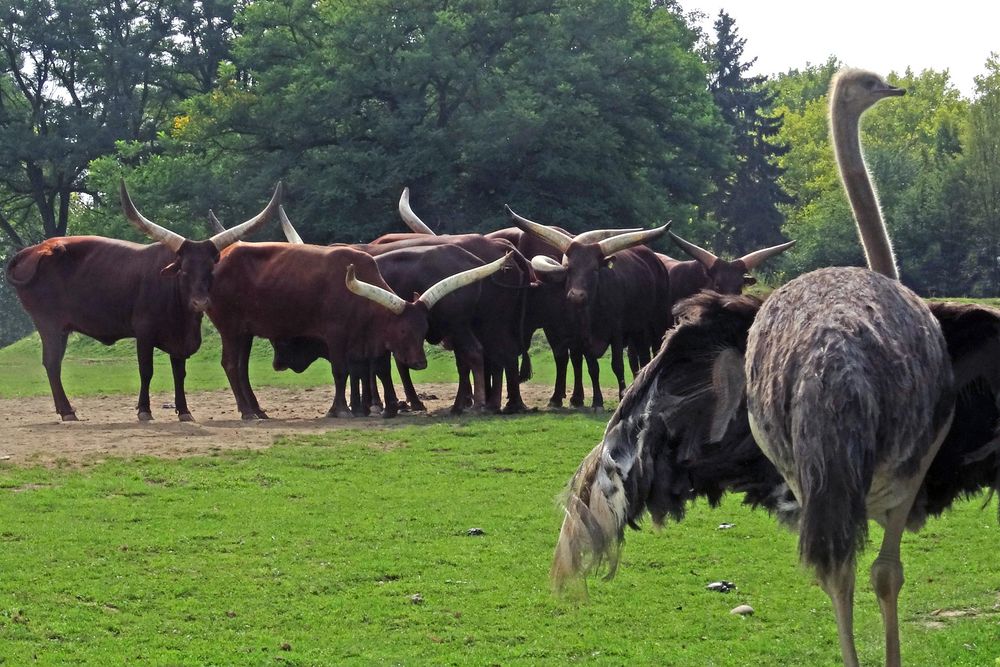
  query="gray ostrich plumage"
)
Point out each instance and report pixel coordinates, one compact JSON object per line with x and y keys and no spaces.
{"x":828,"y":405}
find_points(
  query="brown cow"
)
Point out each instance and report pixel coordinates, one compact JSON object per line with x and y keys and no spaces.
{"x":332,"y":294}
{"x":706,"y":271}
{"x":616,"y":287}
{"x":110,"y":289}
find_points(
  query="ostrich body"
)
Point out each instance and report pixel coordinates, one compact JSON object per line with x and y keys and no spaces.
{"x":827,"y":405}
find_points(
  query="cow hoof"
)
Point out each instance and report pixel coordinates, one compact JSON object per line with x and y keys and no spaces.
{"x":515,"y":408}
{"x":339,"y":414}
{"x":389,"y":414}
{"x":145,"y":416}
{"x":249,"y":417}
{"x":185,"y":417}
{"x":69,"y":417}
{"x":597,"y":409}
{"x":456,"y":410}
{"x":576,"y":403}
{"x":555,"y":403}
{"x":417,"y":406}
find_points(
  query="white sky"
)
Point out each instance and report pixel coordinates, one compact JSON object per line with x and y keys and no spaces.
{"x":883,"y":36}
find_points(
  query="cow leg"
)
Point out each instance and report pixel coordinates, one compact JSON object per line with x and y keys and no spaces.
{"x":633,"y":357}
{"x":374,"y":399}
{"x":245,"y":378}
{"x":594,"y":368}
{"x":618,"y":366}
{"x":232,"y":351}
{"x":408,"y":389}
{"x":144,"y":351}
{"x":53,"y":350}
{"x":560,"y":353}
{"x":576,"y":358}
{"x":178,"y":365}
{"x":469,"y":360}
{"x":358,"y":376}
{"x":383,"y":371}
{"x":339,"y":406}
{"x":494,"y":385}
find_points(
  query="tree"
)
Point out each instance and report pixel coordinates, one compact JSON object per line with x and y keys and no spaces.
{"x":580,"y":114}
{"x":747,"y":200}
{"x":79,"y":75}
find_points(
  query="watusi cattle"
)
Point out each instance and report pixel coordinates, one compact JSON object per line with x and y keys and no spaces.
{"x":412,"y":270}
{"x":332,"y":294}
{"x":706,"y":271}
{"x":110,"y":289}
{"x":617,"y":290}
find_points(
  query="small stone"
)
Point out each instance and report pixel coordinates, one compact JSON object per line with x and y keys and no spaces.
{"x":742,"y":610}
{"x":417,"y":598}
{"x":726,"y":526}
{"x":475,"y":532}
{"x":286,"y":647}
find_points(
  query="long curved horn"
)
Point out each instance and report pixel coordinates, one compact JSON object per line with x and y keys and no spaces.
{"x":409,"y":217}
{"x":553,"y":237}
{"x":595,"y":235}
{"x":630,"y":240}
{"x":146,"y":226}
{"x":286,"y":226}
{"x":383,"y":297}
{"x":700,"y":254}
{"x":231,"y":236}
{"x":548,"y":266}
{"x":442,"y":288}
{"x":214,"y":222}
{"x":757,"y":257}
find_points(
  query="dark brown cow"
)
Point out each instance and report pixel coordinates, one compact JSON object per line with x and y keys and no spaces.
{"x":499,"y":323}
{"x":617,"y":290}
{"x":110,"y":289}
{"x":332,"y":294}
{"x":546,"y":304}
{"x":706,"y":271}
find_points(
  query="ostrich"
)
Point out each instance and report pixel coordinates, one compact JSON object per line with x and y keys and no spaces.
{"x":826,"y":405}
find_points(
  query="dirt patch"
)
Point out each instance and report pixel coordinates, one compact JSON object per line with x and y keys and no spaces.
{"x":33,"y":434}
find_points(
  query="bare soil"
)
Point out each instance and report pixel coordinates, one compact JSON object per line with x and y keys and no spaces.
{"x":31,"y":433}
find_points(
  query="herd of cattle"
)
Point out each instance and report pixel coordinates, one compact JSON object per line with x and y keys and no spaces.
{"x":482,"y":296}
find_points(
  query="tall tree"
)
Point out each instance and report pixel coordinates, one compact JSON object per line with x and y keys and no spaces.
{"x":76,"y":76}
{"x":746,"y":201}
{"x":579,"y":113}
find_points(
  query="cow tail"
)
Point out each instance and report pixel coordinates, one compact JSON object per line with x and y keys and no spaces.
{"x":23,"y":268}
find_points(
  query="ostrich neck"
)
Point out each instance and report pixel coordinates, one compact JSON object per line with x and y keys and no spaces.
{"x":861,"y":194}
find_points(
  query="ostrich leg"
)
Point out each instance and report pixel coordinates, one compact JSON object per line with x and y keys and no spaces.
{"x":839,"y":585}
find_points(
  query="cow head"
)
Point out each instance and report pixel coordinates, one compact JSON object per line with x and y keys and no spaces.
{"x":406,"y":330}
{"x":584,"y":255}
{"x":729,"y":277}
{"x":195,"y":260}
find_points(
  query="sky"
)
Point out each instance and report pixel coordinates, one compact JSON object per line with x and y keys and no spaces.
{"x":883,"y":36}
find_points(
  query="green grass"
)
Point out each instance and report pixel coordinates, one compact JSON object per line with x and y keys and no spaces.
{"x":90,"y":368}
{"x":320,"y":543}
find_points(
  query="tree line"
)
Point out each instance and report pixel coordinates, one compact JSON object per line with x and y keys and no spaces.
{"x":593,"y":113}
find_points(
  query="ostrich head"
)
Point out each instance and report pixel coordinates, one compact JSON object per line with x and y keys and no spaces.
{"x":855,"y":90}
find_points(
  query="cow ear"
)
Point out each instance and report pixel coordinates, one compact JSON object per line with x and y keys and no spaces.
{"x":171,"y":269}
{"x":416,"y":297}
{"x":609,"y":263}
{"x":749,"y":280}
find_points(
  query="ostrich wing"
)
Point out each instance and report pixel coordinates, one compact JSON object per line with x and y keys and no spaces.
{"x":969,"y":458}
{"x":681,"y":431}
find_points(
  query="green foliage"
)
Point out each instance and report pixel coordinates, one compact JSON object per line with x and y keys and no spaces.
{"x":920,"y":162}
{"x":591,"y":114}
{"x":311,"y":553}
{"x":78,"y":75}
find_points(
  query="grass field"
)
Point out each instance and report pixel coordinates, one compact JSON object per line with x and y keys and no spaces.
{"x":353,"y":547}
